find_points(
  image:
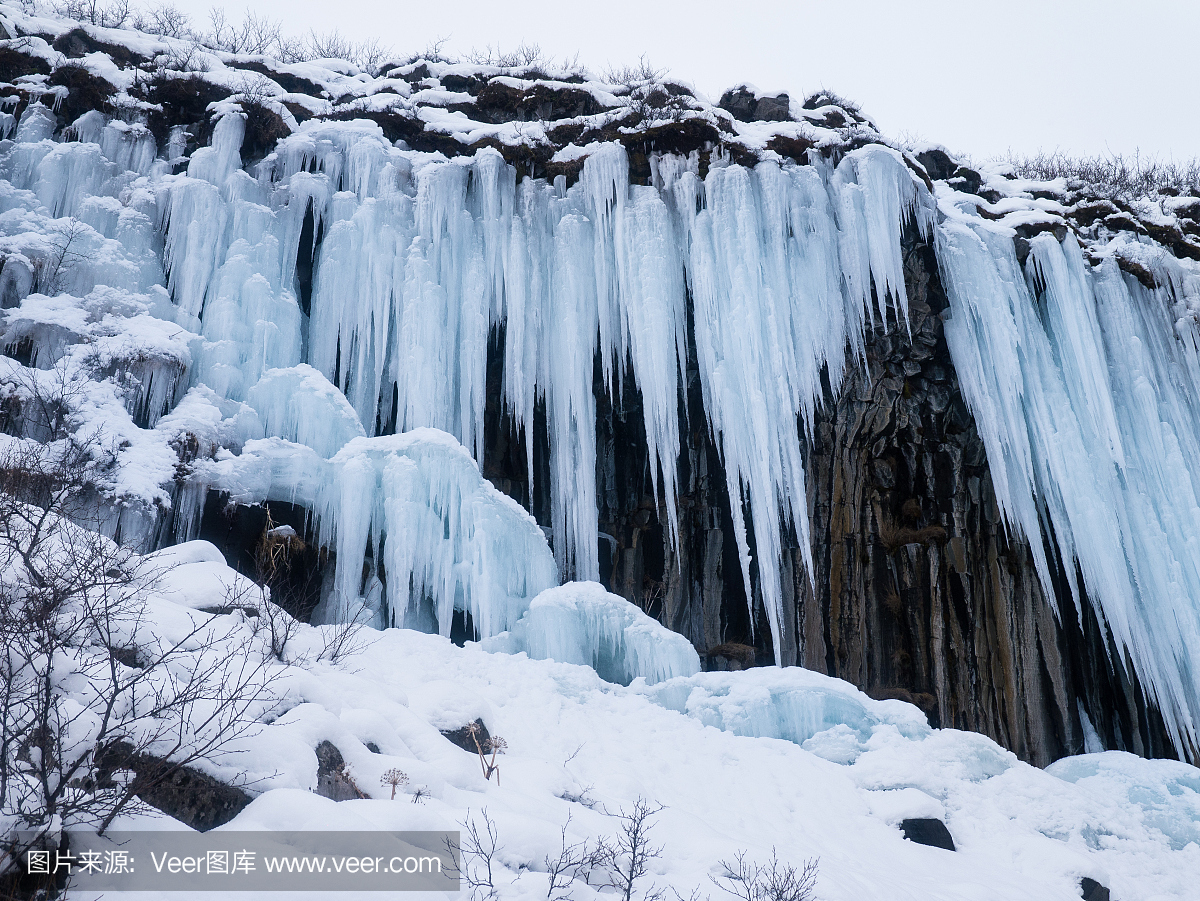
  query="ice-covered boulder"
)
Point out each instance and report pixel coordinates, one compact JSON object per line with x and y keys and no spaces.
{"x":582,"y":623}
{"x":1166,"y":792}
{"x":791,"y":703}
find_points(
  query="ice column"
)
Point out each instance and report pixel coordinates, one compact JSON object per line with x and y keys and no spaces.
{"x":1085,"y":393}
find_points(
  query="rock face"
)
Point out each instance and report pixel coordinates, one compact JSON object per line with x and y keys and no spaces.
{"x":928,"y":832}
{"x":918,"y":592}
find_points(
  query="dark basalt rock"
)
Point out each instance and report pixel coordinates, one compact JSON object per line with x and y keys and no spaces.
{"x":937,"y":163}
{"x":187,"y":794}
{"x":85,"y":92}
{"x":181,"y":101}
{"x":732,"y":656}
{"x":77,"y":43}
{"x":264,"y":129}
{"x":744,"y":105}
{"x":739,"y":102}
{"x":1091,"y":890}
{"x":333,"y":781}
{"x":462,"y":84}
{"x":14,"y":64}
{"x":294,"y":84}
{"x":463,"y":737}
{"x":1137,"y":270}
{"x":929,"y":832}
{"x":792,"y":148}
{"x":1054,"y":225}
{"x":499,"y":101}
{"x":966,"y":180}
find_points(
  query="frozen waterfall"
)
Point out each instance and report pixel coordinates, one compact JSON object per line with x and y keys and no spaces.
{"x":1086,"y":390}
{"x":361,"y":396}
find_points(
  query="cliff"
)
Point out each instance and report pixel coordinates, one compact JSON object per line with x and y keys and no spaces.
{"x":900,"y":567}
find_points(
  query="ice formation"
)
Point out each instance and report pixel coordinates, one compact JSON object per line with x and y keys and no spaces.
{"x":1086,"y":390}
{"x":436,"y":535}
{"x":174,"y":291}
{"x":790,"y":703}
{"x":582,"y":623}
{"x":421,"y":259}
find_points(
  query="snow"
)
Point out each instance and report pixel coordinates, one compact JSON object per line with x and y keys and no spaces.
{"x":582,"y":748}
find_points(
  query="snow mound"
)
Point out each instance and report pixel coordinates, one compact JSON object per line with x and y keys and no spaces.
{"x":582,"y":623}
{"x":1166,"y":792}
{"x":790,"y":703}
{"x":581,"y":749}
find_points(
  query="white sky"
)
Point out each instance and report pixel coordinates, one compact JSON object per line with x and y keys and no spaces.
{"x":1086,"y":76}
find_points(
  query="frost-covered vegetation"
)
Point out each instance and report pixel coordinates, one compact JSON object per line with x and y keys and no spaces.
{"x":1116,"y":175}
{"x":254,"y":34}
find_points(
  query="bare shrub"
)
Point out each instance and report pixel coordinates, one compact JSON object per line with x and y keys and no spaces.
{"x":96,"y":707}
{"x":630,"y":76}
{"x":254,"y":35}
{"x":1115,"y":175}
{"x":575,"y":862}
{"x":434,"y":52}
{"x":825,"y":97}
{"x":523,"y":56}
{"x":111,"y":14}
{"x":479,"y":842}
{"x":275,"y":626}
{"x":189,"y":57}
{"x":650,"y":99}
{"x":165,"y":20}
{"x":50,"y":273}
{"x":773,"y":881}
{"x":626,"y":858}
{"x":367,"y":54}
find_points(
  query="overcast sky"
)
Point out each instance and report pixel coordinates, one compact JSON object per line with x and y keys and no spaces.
{"x":1086,"y":76}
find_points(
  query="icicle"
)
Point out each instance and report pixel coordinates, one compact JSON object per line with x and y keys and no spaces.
{"x":446,"y":539}
{"x":218,"y":161}
{"x":1087,"y":404}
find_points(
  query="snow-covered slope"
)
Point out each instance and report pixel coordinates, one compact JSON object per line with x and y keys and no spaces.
{"x":771,"y":758}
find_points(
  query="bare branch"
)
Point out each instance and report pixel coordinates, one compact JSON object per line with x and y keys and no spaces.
{"x":773,"y":881}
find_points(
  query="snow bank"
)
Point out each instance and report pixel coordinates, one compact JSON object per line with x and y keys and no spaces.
{"x":708,"y":747}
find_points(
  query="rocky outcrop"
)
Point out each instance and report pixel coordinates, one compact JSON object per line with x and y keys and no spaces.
{"x":926,"y":831}
{"x":920,"y":593}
